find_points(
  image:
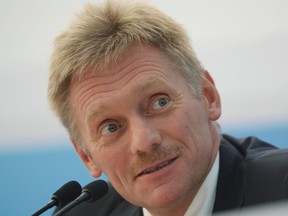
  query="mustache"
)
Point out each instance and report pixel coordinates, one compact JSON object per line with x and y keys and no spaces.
{"x":156,"y":154}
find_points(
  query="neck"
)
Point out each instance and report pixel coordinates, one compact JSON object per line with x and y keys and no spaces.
{"x":177,"y":209}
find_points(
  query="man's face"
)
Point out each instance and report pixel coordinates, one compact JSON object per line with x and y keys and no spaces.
{"x":145,"y":130}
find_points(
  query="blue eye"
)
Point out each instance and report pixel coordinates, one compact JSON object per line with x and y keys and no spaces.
{"x":110,"y":128}
{"x":161,"y":102}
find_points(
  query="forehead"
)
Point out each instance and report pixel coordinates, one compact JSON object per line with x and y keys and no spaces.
{"x":137,"y":59}
{"x":139,"y":69}
{"x":147,"y":86}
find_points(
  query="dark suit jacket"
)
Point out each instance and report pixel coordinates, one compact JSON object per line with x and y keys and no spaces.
{"x":251,"y":172}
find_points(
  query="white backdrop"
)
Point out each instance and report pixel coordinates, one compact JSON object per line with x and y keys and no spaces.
{"x":242,"y":43}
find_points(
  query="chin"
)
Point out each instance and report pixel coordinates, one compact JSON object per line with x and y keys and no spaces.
{"x":163,"y":197}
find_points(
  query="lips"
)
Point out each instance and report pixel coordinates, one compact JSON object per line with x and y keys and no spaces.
{"x":157,"y":167}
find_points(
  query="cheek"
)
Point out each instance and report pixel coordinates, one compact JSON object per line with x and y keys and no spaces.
{"x":112,"y":162}
{"x":191,"y":126}
{"x":116,"y":169}
{"x":188,"y":122}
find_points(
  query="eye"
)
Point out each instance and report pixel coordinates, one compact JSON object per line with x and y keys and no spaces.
{"x":160,"y":103}
{"x":110,"y":129}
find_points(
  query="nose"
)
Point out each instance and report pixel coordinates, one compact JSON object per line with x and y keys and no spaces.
{"x":145,"y":136}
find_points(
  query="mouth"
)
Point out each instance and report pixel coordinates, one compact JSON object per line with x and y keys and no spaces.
{"x":157,"y":167}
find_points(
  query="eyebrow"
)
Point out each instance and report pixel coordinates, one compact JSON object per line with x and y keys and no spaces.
{"x":151,"y":82}
{"x":96,"y":112}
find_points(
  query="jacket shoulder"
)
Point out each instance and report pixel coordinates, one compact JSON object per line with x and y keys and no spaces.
{"x":266,"y":170}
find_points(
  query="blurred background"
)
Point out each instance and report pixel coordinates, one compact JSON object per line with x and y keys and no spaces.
{"x":243,"y":44}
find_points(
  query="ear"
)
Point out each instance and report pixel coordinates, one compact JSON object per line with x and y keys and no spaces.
{"x":211,"y":97}
{"x":93,"y":168}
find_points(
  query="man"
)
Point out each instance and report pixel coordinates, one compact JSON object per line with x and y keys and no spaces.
{"x":139,"y":107}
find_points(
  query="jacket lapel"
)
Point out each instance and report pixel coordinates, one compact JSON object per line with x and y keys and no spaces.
{"x":230,"y":184}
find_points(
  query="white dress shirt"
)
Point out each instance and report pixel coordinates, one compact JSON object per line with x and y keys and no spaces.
{"x":203,"y":202}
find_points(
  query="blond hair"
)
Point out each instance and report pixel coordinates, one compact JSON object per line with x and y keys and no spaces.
{"x":98,"y":37}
